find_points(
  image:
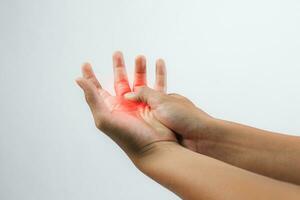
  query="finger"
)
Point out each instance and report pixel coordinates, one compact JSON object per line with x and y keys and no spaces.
{"x":89,"y":74}
{"x":140,"y":78}
{"x":106,"y":96}
{"x":160,"y":76}
{"x":146,"y":95}
{"x":92,"y":96}
{"x":121,"y":80}
{"x":95,"y":101}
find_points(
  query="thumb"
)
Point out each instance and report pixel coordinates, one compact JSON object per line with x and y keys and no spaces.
{"x":144,"y":94}
{"x":89,"y":91}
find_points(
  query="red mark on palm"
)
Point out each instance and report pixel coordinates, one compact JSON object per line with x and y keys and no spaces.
{"x":119,"y":104}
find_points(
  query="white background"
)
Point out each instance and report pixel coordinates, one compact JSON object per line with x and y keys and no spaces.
{"x":237,"y":60}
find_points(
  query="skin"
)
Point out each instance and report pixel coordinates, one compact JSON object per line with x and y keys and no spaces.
{"x":259,"y":151}
{"x":122,"y":119}
{"x":179,"y":114}
{"x":194,"y":176}
{"x":149,"y":125}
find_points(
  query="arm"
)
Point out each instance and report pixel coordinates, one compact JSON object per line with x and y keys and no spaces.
{"x":263,"y":152}
{"x":154,"y":149}
{"x":195,"y":176}
{"x":271,"y":154}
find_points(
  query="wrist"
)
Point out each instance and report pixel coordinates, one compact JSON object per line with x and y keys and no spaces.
{"x":224,"y":141}
{"x":210,"y":135}
{"x":151,"y":155}
{"x":207,"y":128}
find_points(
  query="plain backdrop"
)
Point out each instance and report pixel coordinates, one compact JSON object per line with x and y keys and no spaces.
{"x":237,"y":60}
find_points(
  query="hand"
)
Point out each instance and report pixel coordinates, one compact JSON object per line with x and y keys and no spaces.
{"x":131,"y":125}
{"x":192,"y":125}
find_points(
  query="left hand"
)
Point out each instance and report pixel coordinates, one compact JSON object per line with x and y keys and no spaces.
{"x":131,"y":125}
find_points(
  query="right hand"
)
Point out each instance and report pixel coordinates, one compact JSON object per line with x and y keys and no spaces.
{"x":192,"y":125}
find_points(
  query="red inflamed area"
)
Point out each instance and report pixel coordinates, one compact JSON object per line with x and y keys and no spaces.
{"x":124,"y":105}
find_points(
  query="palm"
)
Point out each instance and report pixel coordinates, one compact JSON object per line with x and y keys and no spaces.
{"x":135,"y":121}
{"x":118,"y":104}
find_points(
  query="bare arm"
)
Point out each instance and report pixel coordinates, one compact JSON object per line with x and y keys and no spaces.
{"x":155,"y":151}
{"x":195,"y":176}
{"x":270,"y":154}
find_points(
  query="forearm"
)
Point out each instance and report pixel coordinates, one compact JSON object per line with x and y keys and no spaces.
{"x":195,"y":176}
{"x":263,"y":152}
